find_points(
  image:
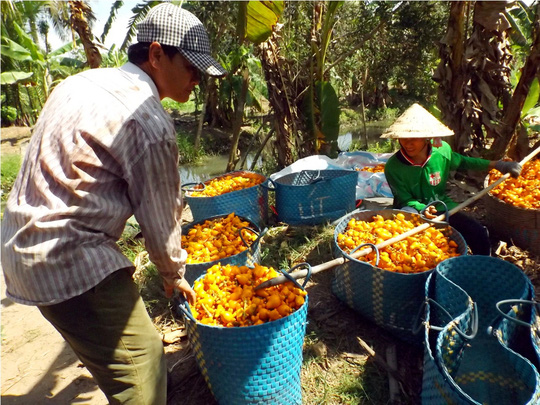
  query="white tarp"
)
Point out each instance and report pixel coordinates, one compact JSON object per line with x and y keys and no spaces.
{"x":368,"y":185}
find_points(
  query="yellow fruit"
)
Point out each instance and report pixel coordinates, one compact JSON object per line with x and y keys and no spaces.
{"x":226,"y":184}
{"x":226,"y":297}
{"x":417,"y":253}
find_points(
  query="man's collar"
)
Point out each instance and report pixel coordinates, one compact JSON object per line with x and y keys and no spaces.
{"x":134,"y":70}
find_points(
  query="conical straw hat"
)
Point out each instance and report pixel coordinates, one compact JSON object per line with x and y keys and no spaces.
{"x":416,"y":122}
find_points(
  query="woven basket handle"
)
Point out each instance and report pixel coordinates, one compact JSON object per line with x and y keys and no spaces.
{"x":185,"y":187}
{"x":373,"y":246}
{"x":183,"y":306}
{"x":317,"y":178}
{"x":446,"y":214}
{"x":259,"y":235}
{"x":291,"y":278}
{"x":267,"y":182}
{"x":474,"y":320}
{"x":513,"y":302}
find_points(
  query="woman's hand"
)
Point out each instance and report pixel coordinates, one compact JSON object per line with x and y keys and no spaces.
{"x":514,"y":168}
{"x":430,"y":212}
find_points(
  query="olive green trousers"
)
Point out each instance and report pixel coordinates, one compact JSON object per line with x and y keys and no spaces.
{"x":111,"y":332}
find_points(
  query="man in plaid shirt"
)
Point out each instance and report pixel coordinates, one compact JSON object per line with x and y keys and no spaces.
{"x":104,"y":149}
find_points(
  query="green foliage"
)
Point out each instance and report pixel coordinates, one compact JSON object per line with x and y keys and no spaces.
{"x":170,"y":105}
{"x":186,"y":149}
{"x":382,"y":114}
{"x":9,"y":114}
{"x":532,"y":98}
{"x":114,"y":58}
{"x":257,"y":19}
{"x":10,"y":166}
{"x":387,"y":146}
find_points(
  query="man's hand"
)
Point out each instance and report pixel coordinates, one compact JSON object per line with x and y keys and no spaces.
{"x":514,"y":168}
{"x":181,"y":285}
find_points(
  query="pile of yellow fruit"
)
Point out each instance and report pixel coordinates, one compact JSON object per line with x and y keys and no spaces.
{"x":216,"y":239}
{"x":228,"y":183}
{"x":414,"y":254}
{"x":226,"y":297}
{"x":523,"y":192}
{"x":373,"y":169}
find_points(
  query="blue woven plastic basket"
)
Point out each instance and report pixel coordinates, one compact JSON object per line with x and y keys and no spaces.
{"x":391,"y":300}
{"x":251,"y":365}
{"x":248,"y":257}
{"x":472,"y":354}
{"x":251,"y":202}
{"x":312,"y":197}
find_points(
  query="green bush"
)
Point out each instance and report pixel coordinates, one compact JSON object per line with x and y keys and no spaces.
{"x":10,"y":166}
{"x":387,"y":146}
{"x":9,"y":114}
{"x":186,"y":149}
{"x":171,"y":105}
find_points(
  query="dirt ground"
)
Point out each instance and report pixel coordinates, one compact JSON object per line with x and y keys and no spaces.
{"x":38,"y":367}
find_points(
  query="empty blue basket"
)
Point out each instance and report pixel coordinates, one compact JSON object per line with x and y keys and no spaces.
{"x":312,"y":197}
{"x":472,"y":354}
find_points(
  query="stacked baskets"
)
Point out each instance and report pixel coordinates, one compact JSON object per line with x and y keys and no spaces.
{"x":250,"y":202}
{"x":250,"y":364}
{"x":474,"y":351}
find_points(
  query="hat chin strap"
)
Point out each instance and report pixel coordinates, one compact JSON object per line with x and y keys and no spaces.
{"x":437,"y":142}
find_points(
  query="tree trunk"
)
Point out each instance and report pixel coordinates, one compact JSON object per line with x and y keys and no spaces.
{"x":79,"y":23}
{"x":474,"y":80}
{"x":202,"y":116}
{"x":449,"y":73}
{"x":234,"y":156}
{"x":279,"y":87}
{"x":511,"y":119}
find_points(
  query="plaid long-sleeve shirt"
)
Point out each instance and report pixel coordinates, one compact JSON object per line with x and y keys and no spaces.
{"x":102,"y":150}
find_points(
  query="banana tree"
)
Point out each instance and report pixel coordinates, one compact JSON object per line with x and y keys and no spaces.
{"x":476,"y":96}
{"x":304,"y":103}
{"x":321,"y":105}
{"x":258,"y":23}
{"x":28,"y":72}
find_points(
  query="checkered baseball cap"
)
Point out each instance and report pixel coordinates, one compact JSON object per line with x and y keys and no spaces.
{"x":171,"y":25}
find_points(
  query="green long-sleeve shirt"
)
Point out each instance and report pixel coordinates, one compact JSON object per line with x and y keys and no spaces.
{"x":416,"y":186}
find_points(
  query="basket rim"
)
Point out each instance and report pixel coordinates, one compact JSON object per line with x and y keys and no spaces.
{"x":187,"y":227}
{"x":398,"y":274}
{"x":342,"y":172}
{"x":192,"y":224}
{"x":262,"y":177}
{"x":504,"y":203}
{"x":251,"y":327}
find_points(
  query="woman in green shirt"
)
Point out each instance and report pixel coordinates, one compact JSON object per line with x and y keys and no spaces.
{"x":418,"y":173}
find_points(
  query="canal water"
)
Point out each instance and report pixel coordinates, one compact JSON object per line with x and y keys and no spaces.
{"x":215,"y":165}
